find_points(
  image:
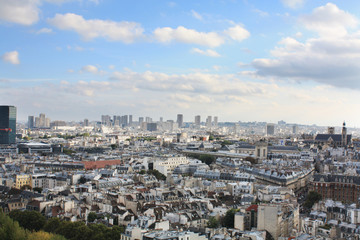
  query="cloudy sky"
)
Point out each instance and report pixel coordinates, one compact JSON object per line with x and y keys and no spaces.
{"x":247,"y":60}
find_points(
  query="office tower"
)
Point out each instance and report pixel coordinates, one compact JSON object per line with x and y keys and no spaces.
{"x":47,"y":122}
{"x":31,"y":122}
{"x":37,"y":122}
{"x":148,"y":119}
{"x":125,"y":120}
{"x":197,"y":120}
{"x":151,"y":127}
{"x":161,"y":119}
{"x":7,"y":124}
{"x":215,"y":121}
{"x":208,"y":122}
{"x":141,"y":120}
{"x":180,"y":120}
{"x":270,"y":129}
{"x":105,"y":120}
{"x":86,"y":122}
{"x":295,"y":129}
{"x":130,"y":119}
{"x":42,"y":120}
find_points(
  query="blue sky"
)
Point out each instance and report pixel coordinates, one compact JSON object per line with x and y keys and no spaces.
{"x":292,"y":60}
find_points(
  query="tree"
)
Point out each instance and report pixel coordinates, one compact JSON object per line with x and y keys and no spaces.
{"x":10,"y":229}
{"x":213,"y":222}
{"x":91,"y":217}
{"x":26,"y":187}
{"x":37,"y":189}
{"x":312,"y":198}
{"x":51,"y":225}
{"x":30,"y":220}
{"x":251,"y":160}
{"x":82,"y":180}
{"x":41,"y":235}
{"x":228,"y":220}
{"x":157,"y":174}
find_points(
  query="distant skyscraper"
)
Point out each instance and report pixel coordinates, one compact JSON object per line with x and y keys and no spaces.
{"x":37,"y":122}
{"x":197,"y":120}
{"x":180,"y":120}
{"x":141,"y":120}
{"x":148,"y":119}
{"x":42,"y":120}
{"x":130,"y":119}
{"x":295,"y":129}
{"x":270,"y":129}
{"x":125,"y":120}
{"x":161,"y":119}
{"x":151,"y":127}
{"x":215,"y":121}
{"x":7,"y":124}
{"x":208,"y":122}
{"x":105,"y":120}
{"x":86,"y":122}
{"x":31,"y":122}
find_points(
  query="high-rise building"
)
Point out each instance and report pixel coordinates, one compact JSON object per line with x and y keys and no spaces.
{"x":148,"y":119}
{"x":86,"y":122}
{"x":215,"y":121}
{"x":42,"y":119}
{"x":208,"y":122}
{"x":130,"y":119}
{"x":105,"y":120}
{"x":295,"y":129}
{"x":7,"y":124}
{"x":151,"y":127}
{"x":197,"y":120}
{"x":270,"y":129}
{"x":180,"y":120}
{"x":37,"y":122}
{"x":141,"y":120}
{"x":125,"y":120}
{"x":31,"y":122}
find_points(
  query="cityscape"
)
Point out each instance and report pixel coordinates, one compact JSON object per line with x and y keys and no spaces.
{"x":179,"y":120}
{"x":171,"y":179}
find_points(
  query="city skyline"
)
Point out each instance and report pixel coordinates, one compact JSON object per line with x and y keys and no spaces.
{"x":237,"y":60}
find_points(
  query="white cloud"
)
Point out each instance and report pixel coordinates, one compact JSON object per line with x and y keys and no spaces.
{"x":190,"y":36}
{"x":194,"y":82}
{"x":44,"y":30}
{"x":237,"y":33}
{"x":293,"y":3}
{"x":261,"y":13}
{"x":208,"y":52}
{"x":11,"y":57}
{"x":333,"y":58}
{"x":126,"y":32}
{"x":25,"y":12}
{"x":329,"y":21}
{"x":298,"y":35}
{"x":196,"y":15}
{"x":90,"y":69}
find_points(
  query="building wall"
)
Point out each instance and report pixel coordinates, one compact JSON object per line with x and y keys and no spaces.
{"x":337,"y":191}
{"x":22,"y":180}
{"x":7,"y":121}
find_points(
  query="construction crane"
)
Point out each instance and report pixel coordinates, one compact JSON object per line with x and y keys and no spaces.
{"x":6,"y":129}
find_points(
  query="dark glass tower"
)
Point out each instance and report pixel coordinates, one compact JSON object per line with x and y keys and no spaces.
{"x":7,"y":124}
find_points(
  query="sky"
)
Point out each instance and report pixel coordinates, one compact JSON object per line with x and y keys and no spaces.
{"x":240,"y":60}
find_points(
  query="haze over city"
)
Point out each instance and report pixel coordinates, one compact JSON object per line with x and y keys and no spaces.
{"x":291,"y":60}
